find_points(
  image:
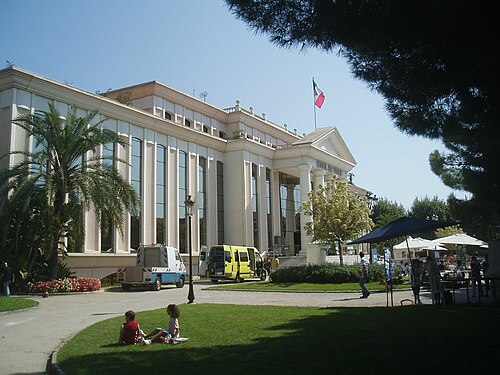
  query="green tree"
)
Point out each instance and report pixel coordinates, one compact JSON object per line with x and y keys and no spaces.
{"x":448,"y":231}
{"x":435,"y":62}
{"x":22,"y":240}
{"x":430,"y":208}
{"x":67,"y":175}
{"x":384,"y":211}
{"x":337,"y":215}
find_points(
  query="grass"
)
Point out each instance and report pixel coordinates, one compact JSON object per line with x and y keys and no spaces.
{"x":235,"y":339}
{"x":15,"y":303}
{"x":303,"y":287}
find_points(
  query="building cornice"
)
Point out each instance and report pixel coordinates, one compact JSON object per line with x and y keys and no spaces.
{"x":42,"y":86}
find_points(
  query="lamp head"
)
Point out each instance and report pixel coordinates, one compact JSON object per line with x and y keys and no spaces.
{"x":189,"y":203}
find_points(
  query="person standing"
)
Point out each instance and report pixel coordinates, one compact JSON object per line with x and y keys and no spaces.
{"x":363,"y":273}
{"x":7,"y":278}
{"x":475,"y":271}
{"x":416,"y":279}
{"x":432,"y":269}
{"x":485,"y":265}
{"x":275,"y":263}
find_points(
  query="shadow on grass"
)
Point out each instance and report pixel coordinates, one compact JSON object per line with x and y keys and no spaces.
{"x":284,"y":340}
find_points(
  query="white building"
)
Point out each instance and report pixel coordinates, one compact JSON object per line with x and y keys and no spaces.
{"x":246,"y":174}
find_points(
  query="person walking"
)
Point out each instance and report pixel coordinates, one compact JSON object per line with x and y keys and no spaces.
{"x":363,"y":273}
{"x":8,"y":278}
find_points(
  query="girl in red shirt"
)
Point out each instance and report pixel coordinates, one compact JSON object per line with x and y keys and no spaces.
{"x":130,"y":331}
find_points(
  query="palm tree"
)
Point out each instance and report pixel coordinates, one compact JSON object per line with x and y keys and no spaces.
{"x":65,"y":166}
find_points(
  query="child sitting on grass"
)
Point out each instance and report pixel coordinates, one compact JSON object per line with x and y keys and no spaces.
{"x":172,"y":333}
{"x":130,"y":331}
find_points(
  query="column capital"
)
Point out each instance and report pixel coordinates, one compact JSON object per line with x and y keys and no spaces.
{"x":304,"y":168}
{"x":329,"y":176}
{"x":318,"y":172}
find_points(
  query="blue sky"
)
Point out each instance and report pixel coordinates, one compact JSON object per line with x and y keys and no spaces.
{"x":197,"y":46}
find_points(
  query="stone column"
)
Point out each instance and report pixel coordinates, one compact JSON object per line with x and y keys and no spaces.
{"x":319,"y":178}
{"x":290,"y":219}
{"x":328,"y":177}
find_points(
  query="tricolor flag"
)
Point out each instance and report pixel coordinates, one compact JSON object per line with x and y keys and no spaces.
{"x":319,"y":96}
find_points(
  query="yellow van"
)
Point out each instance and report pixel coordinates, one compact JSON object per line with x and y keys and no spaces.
{"x":227,"y":262}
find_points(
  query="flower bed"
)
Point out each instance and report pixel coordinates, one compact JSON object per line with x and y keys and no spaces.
{"x":65,"y":285}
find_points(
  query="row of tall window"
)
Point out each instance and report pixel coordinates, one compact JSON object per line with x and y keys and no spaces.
{"x":289,"y":195}
{"x":290,"y":213}
{"x":255,"y":207}
{"x":187,"y":122}
{"x":161,"y":187}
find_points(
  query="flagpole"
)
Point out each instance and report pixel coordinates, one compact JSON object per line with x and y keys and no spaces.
{"x":314,"y":116}
{"x":314,"y":106}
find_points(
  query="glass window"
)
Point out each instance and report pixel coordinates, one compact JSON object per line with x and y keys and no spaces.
{"x":255,"y":206}
{"x":182,"y":198}
{"x":220,"y":202}
{"x":136,"y":177}
{"x":290,"y":213}
{"x":108,"y":154}
{"x":269,"y":213}
{"x":160,"y":194}
{"x":243,"y":256}
{"x":202,"y":194}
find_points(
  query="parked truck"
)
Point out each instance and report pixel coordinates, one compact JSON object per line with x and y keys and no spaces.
{"x":227,"y":262}
{"x":156,"y":265}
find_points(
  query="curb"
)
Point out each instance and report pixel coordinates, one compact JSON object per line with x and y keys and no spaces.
{"x":52,"y":368}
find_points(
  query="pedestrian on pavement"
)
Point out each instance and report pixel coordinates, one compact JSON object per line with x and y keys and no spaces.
{"x":275,"y":263}
{"x":432,"y":269}
{"x":363,"y":273}
{"x":416,"y":279}
{"x":485,"y":266}
{"x":475,"y":271}
{"x":8,"y":278}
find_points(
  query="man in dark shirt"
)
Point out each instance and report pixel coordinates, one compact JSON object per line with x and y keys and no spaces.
{"x":7,"y":278}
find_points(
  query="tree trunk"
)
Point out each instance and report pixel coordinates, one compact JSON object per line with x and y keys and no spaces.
{"x":57,"y":229}
{"x":341,"y":256}
{"x":54,"y":253}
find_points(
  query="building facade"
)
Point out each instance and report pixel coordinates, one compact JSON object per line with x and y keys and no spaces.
{"x":247,"y":175}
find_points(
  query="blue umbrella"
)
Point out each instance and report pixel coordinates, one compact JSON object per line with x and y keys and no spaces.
{"x":401,"y":227}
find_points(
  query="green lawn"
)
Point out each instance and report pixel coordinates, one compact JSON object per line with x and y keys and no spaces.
{"x":235,"y":339}
{"x":15,"y":303}
{"x":303,"y":287}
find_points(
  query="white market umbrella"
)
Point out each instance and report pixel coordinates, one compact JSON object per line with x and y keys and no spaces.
{"x":461,"y":239}
{"x":415,"y":245}
{"x":418,"y":243}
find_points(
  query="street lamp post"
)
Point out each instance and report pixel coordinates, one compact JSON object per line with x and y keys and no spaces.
{"x":189,"y":203}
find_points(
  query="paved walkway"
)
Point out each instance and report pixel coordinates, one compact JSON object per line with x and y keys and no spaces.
{"x":28,"y":337}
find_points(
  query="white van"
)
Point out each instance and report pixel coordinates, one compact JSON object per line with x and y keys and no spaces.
{"x":156,"y":265}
